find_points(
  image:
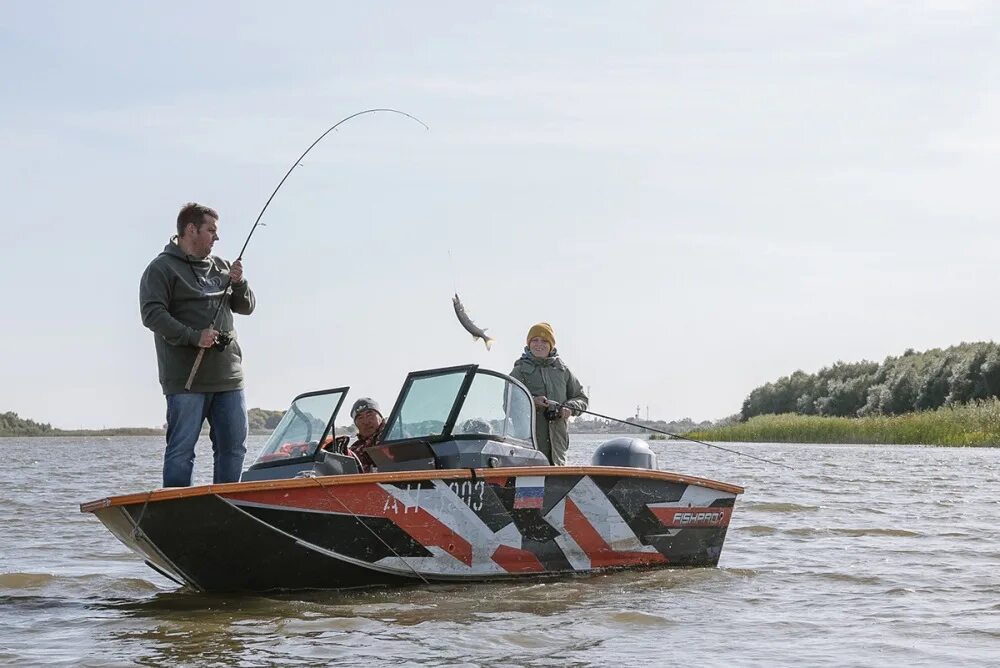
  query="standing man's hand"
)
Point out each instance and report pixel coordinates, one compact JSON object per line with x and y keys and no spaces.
{"x":207,"y":338}
{"x":236,"y":272}
{"x":564,"y":412}
{"x":541,"y":402}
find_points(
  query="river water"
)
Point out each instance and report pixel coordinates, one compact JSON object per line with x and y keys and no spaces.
{"x":856,"y":556}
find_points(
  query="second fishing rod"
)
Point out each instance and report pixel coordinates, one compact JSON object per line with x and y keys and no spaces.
{"x":224,"y":338}
{"x":555,"y":406}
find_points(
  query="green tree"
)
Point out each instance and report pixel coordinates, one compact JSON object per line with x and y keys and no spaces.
{"x":13,"y":425}
{"x":913,"y":381}
{"x":261,"y":419}
{"x":933,"y":387}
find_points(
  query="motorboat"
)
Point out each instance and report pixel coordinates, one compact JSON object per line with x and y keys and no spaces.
{"x":458,"y":493}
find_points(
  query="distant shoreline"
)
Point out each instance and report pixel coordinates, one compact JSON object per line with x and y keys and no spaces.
{"x":151,"y":431}
{"x":260,"y":421}
{"x":964,"y":425}
{"x":120,"y":431}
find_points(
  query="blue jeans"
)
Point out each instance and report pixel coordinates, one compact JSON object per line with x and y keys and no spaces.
{"x":227,"y":420}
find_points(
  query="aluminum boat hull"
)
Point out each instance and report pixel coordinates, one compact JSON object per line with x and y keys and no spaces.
{"x":387,"y":529}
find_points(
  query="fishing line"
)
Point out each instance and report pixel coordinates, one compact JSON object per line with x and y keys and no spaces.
{"x":667,"y":433}
{"x":135,"y":526}
{"x":454,"y":274}
{"x":370,"y":530}
{"x":227,"y":287}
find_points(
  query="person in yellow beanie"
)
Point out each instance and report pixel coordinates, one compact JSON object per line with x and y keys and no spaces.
{"x":550,"y":382}
{"x":542,"y":330}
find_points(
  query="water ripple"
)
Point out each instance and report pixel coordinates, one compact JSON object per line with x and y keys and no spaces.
{"x":852,"y":533}
{"x":775,"y":507}
{"x":890,"y":564}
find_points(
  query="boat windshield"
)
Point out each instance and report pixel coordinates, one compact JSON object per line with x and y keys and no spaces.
{"x":304,"y":426}
{"x":464,"y":402}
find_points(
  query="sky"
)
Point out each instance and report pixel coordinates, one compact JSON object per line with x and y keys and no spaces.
{"x":699,"y":197}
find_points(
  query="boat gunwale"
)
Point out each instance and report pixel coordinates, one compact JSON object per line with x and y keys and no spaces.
{"x":168,"y":493}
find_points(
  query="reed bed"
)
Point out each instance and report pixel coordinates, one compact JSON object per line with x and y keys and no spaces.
{"x":973,"y":424}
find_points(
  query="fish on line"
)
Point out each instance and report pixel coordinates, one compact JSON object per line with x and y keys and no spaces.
{"x":471,"y":327}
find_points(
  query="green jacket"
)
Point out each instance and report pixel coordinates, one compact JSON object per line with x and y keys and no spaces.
{"x":178,"y":295}
{"x":550,"y":377}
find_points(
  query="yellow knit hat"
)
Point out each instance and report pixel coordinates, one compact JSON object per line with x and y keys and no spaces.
{"x":542,"y":330}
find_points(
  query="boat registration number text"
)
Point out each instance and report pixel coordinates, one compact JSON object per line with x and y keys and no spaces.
{"x":471,"y":493}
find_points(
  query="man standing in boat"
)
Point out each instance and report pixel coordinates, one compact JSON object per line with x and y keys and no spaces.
{"x":556,"y":391}
{"x":369,"y":421}
{"x":179,"y":295}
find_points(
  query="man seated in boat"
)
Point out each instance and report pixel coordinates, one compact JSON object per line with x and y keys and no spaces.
{"x":368,"y":419}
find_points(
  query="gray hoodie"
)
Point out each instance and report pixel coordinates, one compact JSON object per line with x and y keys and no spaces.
{"x":178,"y":296}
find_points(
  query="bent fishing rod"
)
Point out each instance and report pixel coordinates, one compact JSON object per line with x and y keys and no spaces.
{"x":227,"y":288}
{"x":557,"y":405}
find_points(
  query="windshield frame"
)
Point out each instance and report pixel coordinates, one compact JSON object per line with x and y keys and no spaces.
{"x":470,"y":371}
{"x":327,"y":430}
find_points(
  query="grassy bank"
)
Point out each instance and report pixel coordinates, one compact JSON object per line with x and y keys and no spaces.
{"x":965,"y":425}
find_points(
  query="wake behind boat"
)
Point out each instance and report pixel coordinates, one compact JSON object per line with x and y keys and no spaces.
{"x":460,"y":494}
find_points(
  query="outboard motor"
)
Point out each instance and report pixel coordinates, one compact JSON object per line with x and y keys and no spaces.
{"x":624,"y":451}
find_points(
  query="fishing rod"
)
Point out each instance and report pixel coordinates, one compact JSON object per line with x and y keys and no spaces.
{"x":228,"y":285}
{"x":556,"y":405}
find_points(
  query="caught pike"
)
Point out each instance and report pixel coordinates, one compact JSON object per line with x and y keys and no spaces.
{"x":467,"y":323}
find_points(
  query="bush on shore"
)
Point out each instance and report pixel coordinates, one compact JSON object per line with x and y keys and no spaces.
{"x":972,"y":424}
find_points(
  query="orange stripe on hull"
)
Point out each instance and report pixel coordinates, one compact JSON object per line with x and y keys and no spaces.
{"x":370,"y":501}
{"x":600,"y":553}
{"x":513,"y":560}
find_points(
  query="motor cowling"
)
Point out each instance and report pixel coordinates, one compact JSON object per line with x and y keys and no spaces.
{"x":624,"y":451}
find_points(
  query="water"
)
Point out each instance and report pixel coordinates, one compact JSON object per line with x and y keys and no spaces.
{"x":859,"y":556}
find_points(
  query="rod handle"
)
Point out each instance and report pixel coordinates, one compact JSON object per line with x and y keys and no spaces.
{"x":194,"y":369}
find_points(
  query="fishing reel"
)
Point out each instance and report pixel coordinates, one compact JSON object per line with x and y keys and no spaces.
{"x":553,"y":411}
{"x":222,"y":340}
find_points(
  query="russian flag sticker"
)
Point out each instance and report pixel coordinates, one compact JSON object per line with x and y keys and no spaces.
{"x":529,"y":492}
